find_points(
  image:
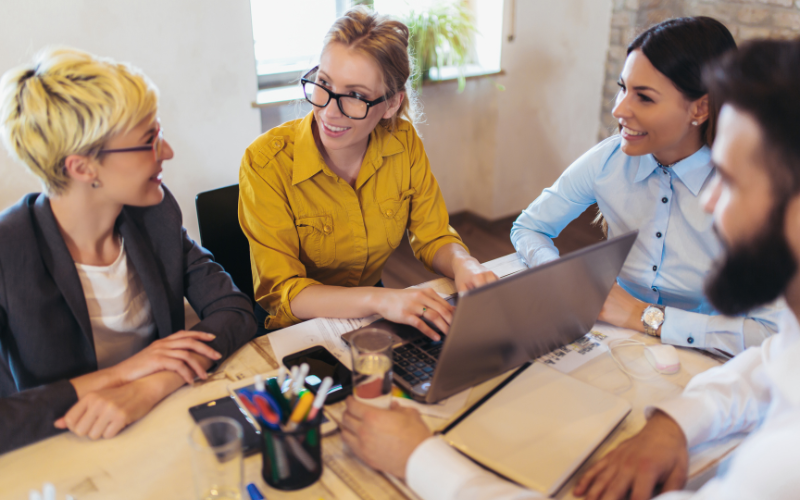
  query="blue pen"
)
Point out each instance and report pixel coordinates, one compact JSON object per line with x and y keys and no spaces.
{"x":255,"y":494}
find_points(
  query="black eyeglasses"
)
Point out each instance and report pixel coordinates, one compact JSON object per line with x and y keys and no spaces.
{"x":351,"y":106}
{"x":156,"y":147}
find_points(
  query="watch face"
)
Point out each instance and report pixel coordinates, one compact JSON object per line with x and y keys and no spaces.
{"x":653,"y":316}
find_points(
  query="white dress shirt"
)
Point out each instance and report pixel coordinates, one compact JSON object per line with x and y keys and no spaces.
{"x":758,"y":391}
{"x":674,"y":250}
{"x":119,"y":310}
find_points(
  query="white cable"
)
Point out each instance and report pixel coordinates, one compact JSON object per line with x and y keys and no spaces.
{"x":627,"y":343}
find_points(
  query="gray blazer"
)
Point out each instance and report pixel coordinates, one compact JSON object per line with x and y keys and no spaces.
{"x":45,"y":332}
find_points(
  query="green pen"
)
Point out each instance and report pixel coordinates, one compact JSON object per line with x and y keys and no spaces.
{"x":275,"y":391}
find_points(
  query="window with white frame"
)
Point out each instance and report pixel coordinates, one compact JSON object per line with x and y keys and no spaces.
{"x":288,"y":39}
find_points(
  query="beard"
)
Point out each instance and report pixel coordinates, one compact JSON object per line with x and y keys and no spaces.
{"x":753,"y":273}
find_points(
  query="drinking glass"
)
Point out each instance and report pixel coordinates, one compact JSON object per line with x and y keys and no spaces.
{"x":217,"y":458}
{"x":372,"y":367}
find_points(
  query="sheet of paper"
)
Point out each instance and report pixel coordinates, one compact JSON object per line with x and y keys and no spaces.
{"x":568,"y":358}
{"x":506,"y":265}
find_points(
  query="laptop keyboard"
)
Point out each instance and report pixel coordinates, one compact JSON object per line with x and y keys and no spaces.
{"x":415,"y":362}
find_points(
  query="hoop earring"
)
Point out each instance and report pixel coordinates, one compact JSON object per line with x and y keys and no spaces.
{"x":96,"y":184}
{"x":694,"y":122}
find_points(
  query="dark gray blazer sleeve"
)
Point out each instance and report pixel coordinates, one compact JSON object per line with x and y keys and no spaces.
{"x":223,"y":309}
{"x":28,"y":416}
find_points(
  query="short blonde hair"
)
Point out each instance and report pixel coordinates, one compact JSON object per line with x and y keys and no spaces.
{"x":386,"y":42}
{"x":69,"y":102}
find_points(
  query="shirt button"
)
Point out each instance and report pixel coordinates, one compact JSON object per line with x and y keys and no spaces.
{"x":664,"y":200}
{"x":658,"y":235}
{"x":327,"y":229}
{"x":389,"y":212}
{"x":655,"y":268}
{"x":655,"y":288}
{"x":690,"y":340}
{"x":276,"y":144}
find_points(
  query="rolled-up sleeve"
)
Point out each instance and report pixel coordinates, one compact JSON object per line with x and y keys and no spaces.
{"x":713,"y":331}
{"x":428,"y":224}
{"x":268,"y":222}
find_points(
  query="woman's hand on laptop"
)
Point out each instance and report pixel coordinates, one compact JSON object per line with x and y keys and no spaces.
{"x":469,"y":274}
{"x":383,"y":439}
{"x":411,"y":305}
{"x":657,"y":455}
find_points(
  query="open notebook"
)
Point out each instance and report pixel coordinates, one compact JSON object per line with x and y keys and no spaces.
{"x":538,"y":428}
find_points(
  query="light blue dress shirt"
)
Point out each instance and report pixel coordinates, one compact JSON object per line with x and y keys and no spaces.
{"x":674,"y":250}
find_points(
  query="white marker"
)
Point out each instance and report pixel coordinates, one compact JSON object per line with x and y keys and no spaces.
{"x":281,"y":376}
{"x":322,"y":393}
{"x":301,"y":378}
{"x":49,"y":491}
{"x":259,"y":383}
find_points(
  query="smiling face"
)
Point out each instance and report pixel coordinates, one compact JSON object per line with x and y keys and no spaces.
{"x":655,"y":117}
{"x":346,"y":71}
{"x":133,"y":178}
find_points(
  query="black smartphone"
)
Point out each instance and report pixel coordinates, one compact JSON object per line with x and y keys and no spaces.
{"x":227,"y":407}
{"x":321,"y":364}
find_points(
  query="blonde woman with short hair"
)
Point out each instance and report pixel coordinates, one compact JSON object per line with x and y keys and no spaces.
{"x":326,"y":199}
{"x":94,"y":270}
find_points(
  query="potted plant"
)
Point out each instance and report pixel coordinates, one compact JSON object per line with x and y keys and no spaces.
{"x":442,"y":35}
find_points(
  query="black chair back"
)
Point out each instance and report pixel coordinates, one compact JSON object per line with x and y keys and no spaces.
{"x":220,"y":233}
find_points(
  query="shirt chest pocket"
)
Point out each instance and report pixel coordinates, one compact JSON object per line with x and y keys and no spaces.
{"x":395,"y":216}
{"x":317,"y":244}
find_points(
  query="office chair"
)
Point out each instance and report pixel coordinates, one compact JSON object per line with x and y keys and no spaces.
{"x":220,"y":233}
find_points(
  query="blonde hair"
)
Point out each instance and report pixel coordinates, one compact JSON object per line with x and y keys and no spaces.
{"x":386,"y":42}
{"x":69,"y":102}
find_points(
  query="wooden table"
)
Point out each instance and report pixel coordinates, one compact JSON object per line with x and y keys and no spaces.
{"x":151,"y":458}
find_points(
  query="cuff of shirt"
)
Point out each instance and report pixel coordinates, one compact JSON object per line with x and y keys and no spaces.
{"x":688,"y":413}
{"x":281,"y":315}
{"x":428,"y":252}
{"x":684,"y":328}
{"x":437,"y":471}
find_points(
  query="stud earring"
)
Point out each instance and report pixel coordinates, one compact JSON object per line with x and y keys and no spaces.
{"x":96,"y":184}
{"x":694,"y":122}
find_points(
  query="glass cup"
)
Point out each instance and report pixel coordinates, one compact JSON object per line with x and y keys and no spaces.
{"x":217,"y":458}
{"x":372,"y":367}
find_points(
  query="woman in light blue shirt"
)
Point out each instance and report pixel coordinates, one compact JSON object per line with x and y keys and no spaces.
{"x":648,"y":177}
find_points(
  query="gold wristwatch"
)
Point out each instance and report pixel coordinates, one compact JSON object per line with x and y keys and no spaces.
{"x":652,"y":319}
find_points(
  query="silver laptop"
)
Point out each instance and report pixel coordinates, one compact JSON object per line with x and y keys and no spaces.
{"x":504,"y":324}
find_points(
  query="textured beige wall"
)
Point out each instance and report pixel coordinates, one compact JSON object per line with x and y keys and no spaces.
{"x":746,"y":19}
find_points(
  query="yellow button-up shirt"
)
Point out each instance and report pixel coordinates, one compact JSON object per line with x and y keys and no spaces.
{"x":308,"y":226}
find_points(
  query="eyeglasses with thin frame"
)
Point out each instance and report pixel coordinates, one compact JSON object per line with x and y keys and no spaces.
{"x":157,"y":147}
{"x":351,"y":106}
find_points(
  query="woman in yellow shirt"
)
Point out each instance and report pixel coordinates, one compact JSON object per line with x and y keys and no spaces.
{"x":324,"y":200}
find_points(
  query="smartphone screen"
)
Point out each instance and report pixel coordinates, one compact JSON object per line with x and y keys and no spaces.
{"x":321,"y":364}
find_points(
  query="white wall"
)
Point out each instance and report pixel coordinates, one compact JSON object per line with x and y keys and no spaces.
{"x":198,"y":52}
{"x":494,"y":151}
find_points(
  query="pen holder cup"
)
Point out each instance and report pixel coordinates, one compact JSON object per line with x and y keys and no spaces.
{"x":292,"y":459}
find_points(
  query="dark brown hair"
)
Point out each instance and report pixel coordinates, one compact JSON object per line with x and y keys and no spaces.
{"x":763,"y":80}
{"x":680,"y":49}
